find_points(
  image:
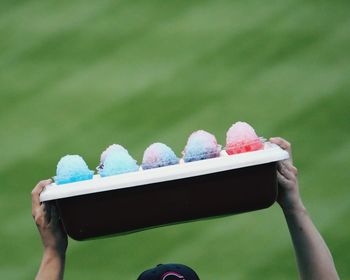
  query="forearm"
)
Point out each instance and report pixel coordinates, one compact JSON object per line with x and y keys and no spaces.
{"x":52,"y":266}
{"x":313,"y":256}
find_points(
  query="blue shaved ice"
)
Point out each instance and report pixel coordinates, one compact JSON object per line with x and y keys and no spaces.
{"x":72,"y":168}
{"x":201,"y":145}
{"x":110,"y":149}
{"x":117,"y":162}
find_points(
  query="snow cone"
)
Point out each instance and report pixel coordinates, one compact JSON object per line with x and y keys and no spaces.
{"x":201,"y":145}
{"x":72,"y":168}
{"x":241,"y":138}
{"x":116,"y":160}
{"x":158,"y":155}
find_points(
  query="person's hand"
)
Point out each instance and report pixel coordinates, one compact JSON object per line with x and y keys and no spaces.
{"x":53,"y":236}
{"x":287,"y":175}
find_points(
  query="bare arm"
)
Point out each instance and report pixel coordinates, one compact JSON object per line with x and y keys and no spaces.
{"x":313,"y":256}
{"x":52,"y":235}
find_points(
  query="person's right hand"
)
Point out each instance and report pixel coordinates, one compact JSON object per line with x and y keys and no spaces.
{"x":287,"y":175}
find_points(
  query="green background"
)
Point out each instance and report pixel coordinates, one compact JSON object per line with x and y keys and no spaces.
{"x":76,"y":76}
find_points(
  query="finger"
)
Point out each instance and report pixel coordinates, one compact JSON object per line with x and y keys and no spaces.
{"x":284,"y":144}
{"x":289,"y":166}
{"x":281,"y":179}
{"x":39,"y":216}
{"x":36,"y":193}
{"x":292,"y":169}
{"x":285,"y":171}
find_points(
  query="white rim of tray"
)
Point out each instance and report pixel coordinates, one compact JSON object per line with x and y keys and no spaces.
{"x":270,"y":153}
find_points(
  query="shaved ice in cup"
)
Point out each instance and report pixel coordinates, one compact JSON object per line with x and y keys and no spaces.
{"x":72,"y":168}
{"x":110,"y":149}
{"x":116,"y":160}
{"x":241,"y":138}
{"x":158,"y":155}
{"x":201,"y":145}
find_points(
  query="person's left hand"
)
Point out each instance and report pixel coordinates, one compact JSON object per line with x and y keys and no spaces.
{"x":53,"y":236}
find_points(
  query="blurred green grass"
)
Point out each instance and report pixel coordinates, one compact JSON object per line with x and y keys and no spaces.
{"x":78,"y":76}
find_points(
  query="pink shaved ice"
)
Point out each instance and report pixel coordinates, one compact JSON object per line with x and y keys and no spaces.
{"x":158,"y":155}
{"x":241,"y":138}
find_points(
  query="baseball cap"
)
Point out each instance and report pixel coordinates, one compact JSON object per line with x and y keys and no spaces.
{"x":169,"y":272}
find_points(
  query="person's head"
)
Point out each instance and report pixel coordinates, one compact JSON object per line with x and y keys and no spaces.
{"x":169,"y":272}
